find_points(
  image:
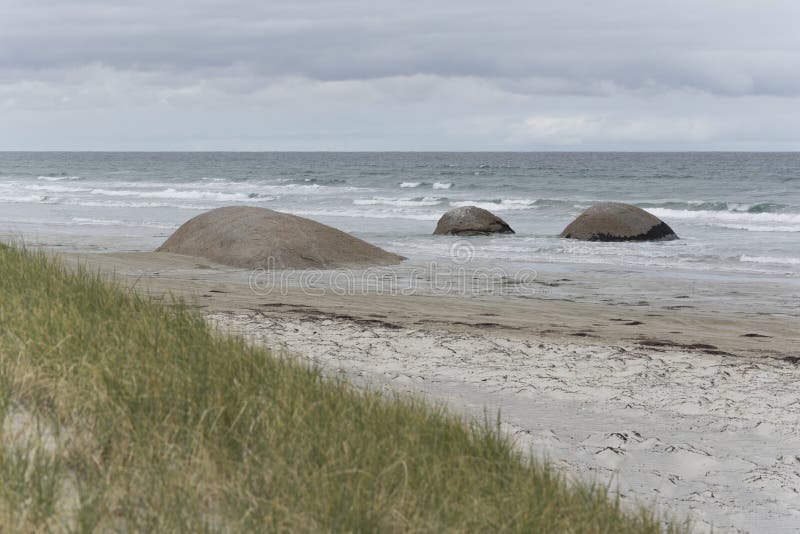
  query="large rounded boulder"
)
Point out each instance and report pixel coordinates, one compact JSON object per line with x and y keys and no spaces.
{"x":615,"y":221}
{"x":251,"y":238}
{"x":471,"y":220}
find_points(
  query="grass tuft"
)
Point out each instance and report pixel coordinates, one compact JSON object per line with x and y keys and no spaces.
{"x":122,"y":413}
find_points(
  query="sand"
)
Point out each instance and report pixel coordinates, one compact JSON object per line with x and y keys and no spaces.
{"x":694,"y":410}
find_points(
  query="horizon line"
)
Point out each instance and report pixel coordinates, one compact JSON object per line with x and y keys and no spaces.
{"x":217,"y":151}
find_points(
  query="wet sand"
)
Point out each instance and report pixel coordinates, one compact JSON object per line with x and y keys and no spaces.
{"x":693,"y":409}
{"x":537,"y":313}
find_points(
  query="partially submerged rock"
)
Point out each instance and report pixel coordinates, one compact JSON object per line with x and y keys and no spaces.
{"x":471,"y":220}
{"x":615,"y":221}
{"x":251,"y":238}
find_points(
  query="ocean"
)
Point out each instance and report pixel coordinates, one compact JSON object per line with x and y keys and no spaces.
{"x":737,"y":214}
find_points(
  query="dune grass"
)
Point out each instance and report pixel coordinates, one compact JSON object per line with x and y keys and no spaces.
{"x":121,"y":413}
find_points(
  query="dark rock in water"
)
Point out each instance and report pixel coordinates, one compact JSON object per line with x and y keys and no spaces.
{"x":250,"y":238}
{"x":471,"y":220}
{"x":614,"y":221}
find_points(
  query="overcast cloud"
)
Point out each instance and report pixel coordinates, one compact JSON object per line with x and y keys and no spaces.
{"x":413,"y":75}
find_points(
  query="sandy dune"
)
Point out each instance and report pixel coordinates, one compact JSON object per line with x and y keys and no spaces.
{"x":694,"y":410}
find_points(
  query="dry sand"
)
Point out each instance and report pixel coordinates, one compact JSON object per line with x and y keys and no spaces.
{"x":695,"y":410}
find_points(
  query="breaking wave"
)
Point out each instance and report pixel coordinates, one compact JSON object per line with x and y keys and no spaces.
{"x":498,"y":205}
{"x":399,"y":202}
{"x":770,"y":259}
{"x":758,"y":221}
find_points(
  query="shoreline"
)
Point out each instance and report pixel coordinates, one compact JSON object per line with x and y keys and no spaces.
{"x":677,"y":406}
{"x":538,"y":311}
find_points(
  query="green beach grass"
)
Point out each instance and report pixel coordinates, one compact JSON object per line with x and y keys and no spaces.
{"x":123,"y":413}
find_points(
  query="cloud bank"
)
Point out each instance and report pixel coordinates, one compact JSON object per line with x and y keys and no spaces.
{"x":358,"y":75}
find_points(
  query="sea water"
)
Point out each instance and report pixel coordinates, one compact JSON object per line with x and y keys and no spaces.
{"x":737,"y":214}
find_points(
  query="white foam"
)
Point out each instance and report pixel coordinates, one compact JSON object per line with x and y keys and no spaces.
{"x":247,"y":188}
{"x":24,"y":198}
{"x":56,"y":188}
{"x":182,"y":195}
{"x":57,"y":178}
{"x":504,"y":204}
{"x":770,"y":259}
{"x":411,"y":184}
{"x":88,"y":221}
{"x":726,"y":216}
{"x":133,"y":204}
{"x":734,"y":207}
{"x":366,"y":214}
{"x":399,"y":202}
{"x":761,"y":228}
{"x":147,"y":184}
{"x":442,"y":185}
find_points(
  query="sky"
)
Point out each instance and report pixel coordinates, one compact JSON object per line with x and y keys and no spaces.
{"x":412,"y":75}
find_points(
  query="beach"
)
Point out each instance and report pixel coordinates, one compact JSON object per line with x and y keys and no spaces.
{"x":666,"y":369}
{"x":692,"y":409}
{"x":386,"y":267}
